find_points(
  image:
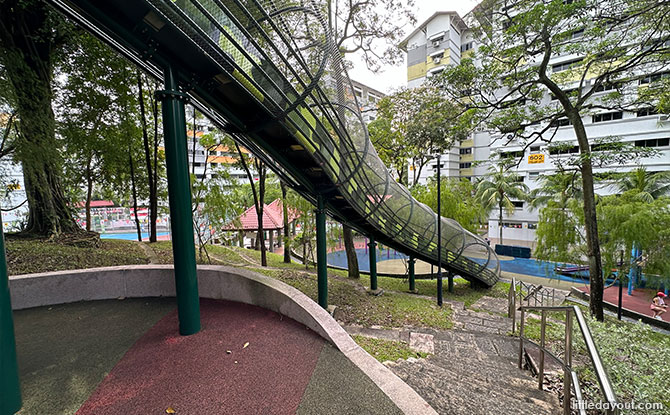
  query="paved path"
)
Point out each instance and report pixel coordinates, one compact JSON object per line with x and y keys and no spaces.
{"x":473,"y":368}
{"x":126,"y":357}
{"x":639,"y":301}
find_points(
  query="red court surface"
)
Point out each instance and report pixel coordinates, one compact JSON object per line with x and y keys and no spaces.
{"x":639,"y":301}
{"x":196,"y":375}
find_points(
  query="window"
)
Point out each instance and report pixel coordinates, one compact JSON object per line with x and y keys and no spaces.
{"x":654,"y":77}
{"x":559,"y":67}
{"x":464,"y":165}
{"x":517,"y":205}
{"x":534,"y":148}
{"x":569,"y":92}
{"x":654,"y":142}
{"x":608,"y":116}
{"x":576,"y":34}
{"x":561,"y":122}
{"x":358,"y":92}
{"x":561,"y":149}
{"x":534,"y":175}
{"x":466,"y":47}
{"x":507,"y":24}
{"x":465,"y":151}
{"x":515,"y":225}
{"x":607,"y":86}
{"x":532,"y":226}
{"x":511,"y":154}
{"x":643,"y":112}
{"x":513,"y":103}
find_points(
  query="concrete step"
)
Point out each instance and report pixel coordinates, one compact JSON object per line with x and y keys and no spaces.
{"x":474,"y":372}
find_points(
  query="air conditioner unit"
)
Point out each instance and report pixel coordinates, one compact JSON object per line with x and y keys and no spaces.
{"x":436,"y":59}
{"x":436,"y":42}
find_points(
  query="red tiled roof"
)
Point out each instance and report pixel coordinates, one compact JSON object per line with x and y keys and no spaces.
{"x":96,"y":203}
{"x":272,"y":219}
{"x":278,"y":207}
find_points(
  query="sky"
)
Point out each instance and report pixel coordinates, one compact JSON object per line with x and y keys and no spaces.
{"x":394,"y":77}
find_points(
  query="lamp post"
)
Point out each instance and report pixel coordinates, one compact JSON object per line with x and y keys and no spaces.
{"x":439,"y":234}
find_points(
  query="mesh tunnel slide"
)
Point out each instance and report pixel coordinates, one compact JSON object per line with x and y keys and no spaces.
{"x":269,"y":73}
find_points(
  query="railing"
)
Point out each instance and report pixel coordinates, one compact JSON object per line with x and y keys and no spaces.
{"x":570,"y":379}
{"x":522,"y":293}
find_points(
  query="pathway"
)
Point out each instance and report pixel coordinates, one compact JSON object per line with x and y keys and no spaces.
{"x":473,"y":368}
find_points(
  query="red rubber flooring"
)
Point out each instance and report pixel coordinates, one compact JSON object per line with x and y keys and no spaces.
{"x":639,"y":301}
{"x":195,"y":375}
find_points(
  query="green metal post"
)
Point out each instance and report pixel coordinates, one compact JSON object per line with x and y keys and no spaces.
{"x":373,"y":263}
{"x":10,"y":391}
{"x":181,"y":216}
{"x":412,"y":283}
{"x":321,"y":260}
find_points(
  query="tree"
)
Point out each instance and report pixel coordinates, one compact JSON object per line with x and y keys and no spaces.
{"x":370,"y":28}
{"x":258,"y":194}
{"x":458,"y":201}
{"x":613,"y":43}
{"x":151,"y":150}
{"x":31,"y":35}
{"x":646,"y":186}
{"x":411,"y":125}
{"x":498,"y":189}
{"x":91,"y":97}
{"x":559,"y":231}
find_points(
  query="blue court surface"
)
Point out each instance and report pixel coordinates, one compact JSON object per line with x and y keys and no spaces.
{"x":526,"y":266}
{"x":131,"y":236}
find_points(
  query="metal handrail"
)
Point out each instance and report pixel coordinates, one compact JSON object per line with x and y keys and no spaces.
{"x":570,"y":378}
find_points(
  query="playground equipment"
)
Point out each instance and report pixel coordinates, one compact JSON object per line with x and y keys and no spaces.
{"x":270,"y":74}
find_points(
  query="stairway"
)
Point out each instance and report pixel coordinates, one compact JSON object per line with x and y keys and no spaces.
{"x":474,"y":370}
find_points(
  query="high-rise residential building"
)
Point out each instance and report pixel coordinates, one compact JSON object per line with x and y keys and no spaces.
{"x":367,"y":98}
{"x":443,"y":40}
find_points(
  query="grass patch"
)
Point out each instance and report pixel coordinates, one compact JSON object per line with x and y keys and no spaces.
{"x":384,"y":350}
{"x":25,"y":256}
{"x":635,"y":356}
{"x":462,"y":290}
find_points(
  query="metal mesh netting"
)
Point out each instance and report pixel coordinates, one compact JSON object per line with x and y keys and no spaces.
{"x":283,"y":54}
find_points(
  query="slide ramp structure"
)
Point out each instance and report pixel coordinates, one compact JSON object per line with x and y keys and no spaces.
{"x":269,"y":73}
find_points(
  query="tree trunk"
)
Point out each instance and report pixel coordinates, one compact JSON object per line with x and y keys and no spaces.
{"x":153,"y":201}
{"x":350,"y":249}
{"x":590,"y":221}
{"x":28,"y":43}
{"x":260,"y":167}
{"x":500,"y":223}
{"x":134,"y":190}
{"x":89,"y":194}
{"x":287,"y":244}
{"x":147,"y":155}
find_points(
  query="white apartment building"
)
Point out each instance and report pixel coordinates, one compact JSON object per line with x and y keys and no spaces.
{"x":367,"y":98}
{"x":445,"y":35}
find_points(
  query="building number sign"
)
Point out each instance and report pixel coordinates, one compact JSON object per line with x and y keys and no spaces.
{"x":535,"y":158}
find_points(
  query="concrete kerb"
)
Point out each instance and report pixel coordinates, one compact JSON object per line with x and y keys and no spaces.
{"x":215,"y":282}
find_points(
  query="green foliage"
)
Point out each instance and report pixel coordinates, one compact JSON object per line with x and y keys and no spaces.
{"x":384,"y":350}
{"x":411,"y":125}
{"x":625,"y":220}
{"x":458,"y":201}
{"x":498,"y":189}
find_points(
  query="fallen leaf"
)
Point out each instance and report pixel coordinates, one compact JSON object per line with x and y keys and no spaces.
{"x":169,"y":410}
{"x":245,"y":345}
{"x":228,"y":352}
{"x":236,"y":362}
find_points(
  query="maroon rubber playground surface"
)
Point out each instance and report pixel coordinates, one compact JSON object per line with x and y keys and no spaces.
{"x":195,"y":374}
{"x":639,"y":301}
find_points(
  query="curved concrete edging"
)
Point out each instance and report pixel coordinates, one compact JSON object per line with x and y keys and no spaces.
{"x":215,"y":282}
